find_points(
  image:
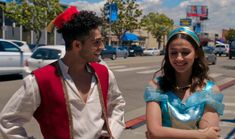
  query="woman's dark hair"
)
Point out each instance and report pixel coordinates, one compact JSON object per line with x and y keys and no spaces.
{"x":79,"y":27}
{"x":199,"y":70}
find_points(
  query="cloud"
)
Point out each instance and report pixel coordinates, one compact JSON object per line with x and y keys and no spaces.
{"x":221,"y":13}
{"x":85,"y":5}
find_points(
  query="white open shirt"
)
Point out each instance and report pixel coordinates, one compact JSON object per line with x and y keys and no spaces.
{"x":86,"y":117}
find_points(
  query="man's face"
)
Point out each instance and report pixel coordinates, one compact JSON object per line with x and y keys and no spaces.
{"x":92,"y":46}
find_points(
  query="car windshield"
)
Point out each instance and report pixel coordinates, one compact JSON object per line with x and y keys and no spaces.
{"x":18,"y":43}
{"x":48,"y":54}
{"x":233,"y":44}
{"x":207,"y":50}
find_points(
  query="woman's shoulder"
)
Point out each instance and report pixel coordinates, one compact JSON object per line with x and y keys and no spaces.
{"x":157,"y":80}
{"x":211,"y":86}
{"x":153,"y":91}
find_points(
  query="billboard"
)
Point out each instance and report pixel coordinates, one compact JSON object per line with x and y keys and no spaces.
{"x":197,"y":11}
{"x":185,"y":22}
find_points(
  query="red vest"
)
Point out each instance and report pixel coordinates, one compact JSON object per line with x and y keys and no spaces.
{"x":52,"y":114}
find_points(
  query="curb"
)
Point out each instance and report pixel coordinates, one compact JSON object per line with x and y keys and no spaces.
{"x":227,"y":85}
{"x":134,"y":123}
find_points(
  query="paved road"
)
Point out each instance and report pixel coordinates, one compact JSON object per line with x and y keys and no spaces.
{"x":133,"y":75}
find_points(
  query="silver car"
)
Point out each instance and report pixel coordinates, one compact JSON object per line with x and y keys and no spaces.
{"x":209,"y":55}
{"x":45,"y":55}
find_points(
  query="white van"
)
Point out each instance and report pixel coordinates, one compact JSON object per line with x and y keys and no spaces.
{"x":12,"y":58}
{"x":22,"y":45}
{"x":221,"y":49}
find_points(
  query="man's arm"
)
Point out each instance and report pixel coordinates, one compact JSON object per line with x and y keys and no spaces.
{"x":116,"y":106}
{"x":19,"y":109}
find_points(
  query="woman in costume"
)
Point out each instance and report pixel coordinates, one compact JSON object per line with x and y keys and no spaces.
{"x":182,"y":100}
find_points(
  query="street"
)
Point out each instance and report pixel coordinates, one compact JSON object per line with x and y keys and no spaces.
{"x":132,"y":75}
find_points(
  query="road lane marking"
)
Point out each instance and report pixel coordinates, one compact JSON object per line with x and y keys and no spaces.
{"x":229,"y":112}
{"x":131,"y":69}
{"x":229,"y":104}
{"x":214,"y":75}
{"x":117,"y":67}
{"x":227,"y":124}
{"x":146,"y":71}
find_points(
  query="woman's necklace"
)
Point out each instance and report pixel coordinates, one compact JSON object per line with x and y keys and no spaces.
{"x":182,"y":87}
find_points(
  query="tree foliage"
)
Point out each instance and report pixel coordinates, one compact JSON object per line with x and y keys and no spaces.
{"x":231,"y":34}
{"x":128,"y":14}
{"x":158,"y":25}
{"x":32,"y":14}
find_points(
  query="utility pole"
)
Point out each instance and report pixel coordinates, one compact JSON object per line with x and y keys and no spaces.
{"x":111,"y":14}
{"x":3,"y":25}
{"x":110,"y":37}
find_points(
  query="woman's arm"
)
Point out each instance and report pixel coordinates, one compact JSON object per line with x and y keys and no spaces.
{"x":210,"y":116}
{"x":157,"y":131}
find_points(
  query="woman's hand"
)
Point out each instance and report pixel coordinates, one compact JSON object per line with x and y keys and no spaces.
{"x":210,"y":132}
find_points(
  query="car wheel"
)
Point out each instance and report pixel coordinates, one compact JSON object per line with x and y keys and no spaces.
{"x":114,"y":56}
{"x":213,"y":63}
{"x":219,"y":54}
{"x":125,"y":56}
{"x":230,"y":56}
{"x":134,"y":54}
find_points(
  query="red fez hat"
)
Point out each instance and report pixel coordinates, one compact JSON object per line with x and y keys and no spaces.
{"x":65,"y":17}
{"x":62,"y":18}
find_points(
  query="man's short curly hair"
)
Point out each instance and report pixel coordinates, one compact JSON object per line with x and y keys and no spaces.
{"x":79,"y":27}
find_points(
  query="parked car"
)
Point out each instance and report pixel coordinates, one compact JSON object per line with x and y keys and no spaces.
{"x":209,"y":55}
{"x":122,"y":51}
{"x":114,"y":52}
{"x":232,"y":49}
{"x":12,"y":58}
{"x":151,"y":52}
{"x":135,"y":50}
{"x":22,"y":44}
{"x":34,"y":46}
{"x":162,"y":51}
{"x":44,"y":55}
{"x":221,"y":49}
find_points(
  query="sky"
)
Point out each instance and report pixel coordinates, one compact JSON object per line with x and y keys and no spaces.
{"x":221,"y":12}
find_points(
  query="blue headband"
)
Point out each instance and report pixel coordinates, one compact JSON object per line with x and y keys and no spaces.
{"x":187,"y":31}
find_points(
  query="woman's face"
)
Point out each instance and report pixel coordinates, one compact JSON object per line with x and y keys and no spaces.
{"x":181,"y":55}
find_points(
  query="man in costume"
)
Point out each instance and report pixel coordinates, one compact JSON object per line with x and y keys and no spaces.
{"x":74,"y":97}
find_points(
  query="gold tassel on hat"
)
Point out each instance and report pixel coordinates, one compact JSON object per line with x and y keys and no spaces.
{"x":51,"y":26}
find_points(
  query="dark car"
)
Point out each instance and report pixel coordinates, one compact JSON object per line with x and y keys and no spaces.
{"x":231,"y":49}
{"x":114,"y":52}
{"x":135,"y":50}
